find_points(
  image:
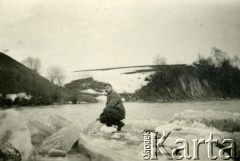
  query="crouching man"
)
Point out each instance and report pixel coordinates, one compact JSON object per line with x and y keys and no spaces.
{"x":114,"y":111}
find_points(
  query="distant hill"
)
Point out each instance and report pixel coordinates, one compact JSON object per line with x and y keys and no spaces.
{"x":171,"y":82}
{"x":16,"y":78}
{"x":178,"y":82}
{"x":199,"y":81}
{"x":94,"y":88}
{"x":85,"y":84}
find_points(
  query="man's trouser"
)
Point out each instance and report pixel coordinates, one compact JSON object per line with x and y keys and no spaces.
{"x":111,"y":117}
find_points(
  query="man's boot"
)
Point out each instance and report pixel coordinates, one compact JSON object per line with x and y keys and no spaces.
{"x":120,"y":125}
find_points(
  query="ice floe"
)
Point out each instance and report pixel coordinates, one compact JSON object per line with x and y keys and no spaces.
{"x":14,"y":130}
{"x":63,"y":139}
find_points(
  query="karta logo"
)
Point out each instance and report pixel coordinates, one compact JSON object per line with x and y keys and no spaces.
{"x":154,"y":143}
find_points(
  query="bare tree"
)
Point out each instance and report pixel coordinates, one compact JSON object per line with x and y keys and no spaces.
{"x":51,"y":74}
{"x":32,"y":63}
{"x":60,"y":76}
{"x":219,"y":56}
{"x":236,"y":61}
{"x":159,"y":60}
{"x":56,"y":75}
{"x":203,"y":61}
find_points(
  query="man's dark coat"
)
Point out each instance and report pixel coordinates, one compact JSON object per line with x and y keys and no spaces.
{"x":115,"y":106}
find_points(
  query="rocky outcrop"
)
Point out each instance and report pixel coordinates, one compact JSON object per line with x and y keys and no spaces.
{"x":193,"y":87}
{"x":177,"y":83}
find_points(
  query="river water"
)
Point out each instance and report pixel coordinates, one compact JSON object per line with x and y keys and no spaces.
{"x":163,"y":112}
{"x":210,"y":113}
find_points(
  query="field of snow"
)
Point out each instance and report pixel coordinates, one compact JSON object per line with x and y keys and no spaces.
{"x":120,"y":81}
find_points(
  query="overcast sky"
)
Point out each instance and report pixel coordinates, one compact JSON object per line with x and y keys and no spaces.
{"x":86,"y":34}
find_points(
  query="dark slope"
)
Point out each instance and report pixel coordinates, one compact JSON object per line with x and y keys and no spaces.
{"x":191,"y":82}
{"x":16,"y":78}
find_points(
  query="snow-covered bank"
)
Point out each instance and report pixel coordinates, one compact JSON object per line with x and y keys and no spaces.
{"x":121,"y":82}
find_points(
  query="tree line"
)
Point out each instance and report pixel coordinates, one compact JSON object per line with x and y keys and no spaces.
{"x":55,"y":74}
{"x":221,"y":71}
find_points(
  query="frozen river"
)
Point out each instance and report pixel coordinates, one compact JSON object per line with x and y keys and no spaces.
{"x":209,"y":113}
{"x":163,"y":112}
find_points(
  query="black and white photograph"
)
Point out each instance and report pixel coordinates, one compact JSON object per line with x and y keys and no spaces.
{"x":119,"y":80}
